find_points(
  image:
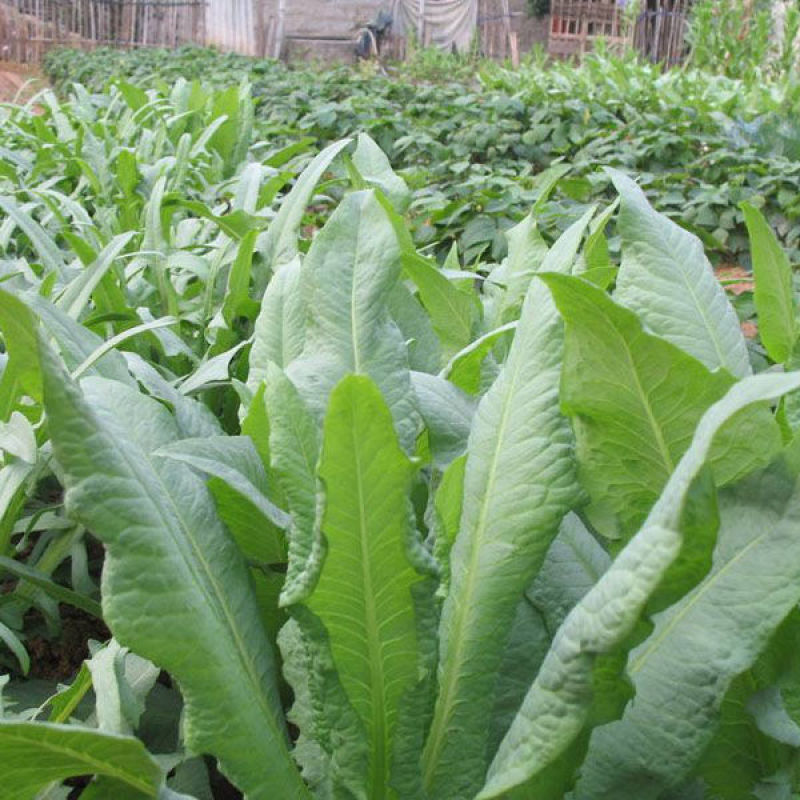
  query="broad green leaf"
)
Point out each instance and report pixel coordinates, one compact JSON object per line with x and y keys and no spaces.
{"x":635,"y":400}
{"x":557,"y":706}
{"x":363,"y":595}
{"x":294,"y":445}
{"x":774,"y":297}
{"x":35,"y":754}
{"x":172,"y":567}
{"x":754,"y":583}
{"x":348,"y":277}
{"x":519,"y":484}
{"x":408,"y":313}
{"x":374,"y":167}
{"x":279,"y":245}
{"x":667,"y":280}
{"x":280,"y":328}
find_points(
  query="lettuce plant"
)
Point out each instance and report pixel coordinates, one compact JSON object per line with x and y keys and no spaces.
{"x":507,"y":535}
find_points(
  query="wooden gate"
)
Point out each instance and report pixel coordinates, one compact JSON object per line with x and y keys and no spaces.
{"x":576,"y":24}
{"x":661,"y":31}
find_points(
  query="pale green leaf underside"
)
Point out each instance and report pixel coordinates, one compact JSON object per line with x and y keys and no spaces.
{"x":556,"y":707}
{"x":170,"y":559}
{"x":667,"y":280}
{"x":519,"y":483}
{"x":347,"y":278}
{"x":682,"y":671}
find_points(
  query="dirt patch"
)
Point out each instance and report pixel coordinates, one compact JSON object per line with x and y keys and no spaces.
{"x":59,"y":659}
{"x":18,"y":82}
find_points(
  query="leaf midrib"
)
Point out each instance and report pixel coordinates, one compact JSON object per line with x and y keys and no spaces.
{"x":436,"y":735}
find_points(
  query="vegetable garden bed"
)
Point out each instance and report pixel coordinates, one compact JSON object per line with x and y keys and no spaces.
{"x":374,"y":505}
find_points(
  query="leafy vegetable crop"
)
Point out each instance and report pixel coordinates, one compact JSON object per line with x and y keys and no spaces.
{"x":473,"y":143}
{"x":371,"y":526}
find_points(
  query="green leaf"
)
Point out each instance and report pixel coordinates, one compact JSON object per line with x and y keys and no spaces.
{"x":519,"y":484}
{"x":635,"y":399}
{"x":331,"y":747}
{"x":49,"y":587}
{"x":465,"y":368}
{"x":374,"y":167}
{"x":279,"y":244}
{"x":348,"y":277}
{"x":294,"y":445}
{"x":667,"y":280}
{"x":51,"y":257}
{"x":35,"y":754}
{"x":77,"y":293}
{"x":557,"y":706}
{"x":243,"y":492}
{"x":121,"y":682}
{"x":175,"y":588}
{"x":19,"y":338}
{"x":453,"y":310}
{"x":774,"y":297}
{"x":363,"y":595}
{"x":280,"y":329}
{"x":447,"y":412}
{"x":408,"y":313}
{"x":753,"y":585}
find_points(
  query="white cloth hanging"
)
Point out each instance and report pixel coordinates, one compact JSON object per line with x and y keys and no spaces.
{"x":442,"y":22}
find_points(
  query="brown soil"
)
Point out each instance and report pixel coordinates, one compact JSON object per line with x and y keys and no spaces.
{"x":16,"y":77}
{"x":59,"y":659}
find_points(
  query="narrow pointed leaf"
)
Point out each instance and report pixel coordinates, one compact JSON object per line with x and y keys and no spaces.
{"x":774,"y":296}
{"x":279,"y":245}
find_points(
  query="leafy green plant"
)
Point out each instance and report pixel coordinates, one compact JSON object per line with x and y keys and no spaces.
{"x":375,"y":526}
